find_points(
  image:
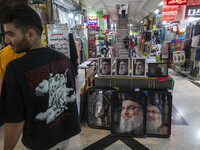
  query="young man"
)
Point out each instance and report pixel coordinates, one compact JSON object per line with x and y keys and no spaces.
{"x":6,"y":55}
{"x":38,"y":92}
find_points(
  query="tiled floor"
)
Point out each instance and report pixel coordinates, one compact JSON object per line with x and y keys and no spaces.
{"x":186,"y":100}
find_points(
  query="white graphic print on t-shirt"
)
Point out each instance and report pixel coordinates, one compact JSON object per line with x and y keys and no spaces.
{"x":58,"y":96}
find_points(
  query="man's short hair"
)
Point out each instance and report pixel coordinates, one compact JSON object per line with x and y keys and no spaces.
{"x":23,"y":17}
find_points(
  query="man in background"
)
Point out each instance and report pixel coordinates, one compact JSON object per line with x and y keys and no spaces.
{"x":131,"y":120}
{"x":123,"y":67}
{"x":6,"y":55}
{"x":123,"y":10}
{"x":126,"y":42}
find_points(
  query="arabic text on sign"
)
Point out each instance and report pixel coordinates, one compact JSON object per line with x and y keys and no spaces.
{"x":176,"y":2}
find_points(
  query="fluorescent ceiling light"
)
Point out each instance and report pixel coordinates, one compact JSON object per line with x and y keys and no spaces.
{"x":70,"y":15}
{"x":76,"y":18}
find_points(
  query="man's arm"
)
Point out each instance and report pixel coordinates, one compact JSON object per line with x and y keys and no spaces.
{"x":1,"y":81}
{"x":12,"y":132}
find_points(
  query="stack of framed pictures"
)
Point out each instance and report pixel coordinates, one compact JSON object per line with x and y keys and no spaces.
{"x":133,"y":114}
{"x":99,"y":108}
{"x":136,"y":68}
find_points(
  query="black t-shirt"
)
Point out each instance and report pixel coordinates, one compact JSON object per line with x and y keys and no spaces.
{"x":39,"y":88}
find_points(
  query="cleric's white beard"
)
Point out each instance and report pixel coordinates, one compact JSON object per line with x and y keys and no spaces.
{"x":105,"y":71}
{"x":122,"y":71}
{"x":135,"y":122}
{"x":139,"y":71}
{"x":152,"y":126}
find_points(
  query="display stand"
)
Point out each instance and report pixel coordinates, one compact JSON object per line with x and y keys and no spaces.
{"x":163,"y":86}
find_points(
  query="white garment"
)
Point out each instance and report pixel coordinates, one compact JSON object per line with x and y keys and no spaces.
{"x":61,"y":146}
{"x":124,"y":7}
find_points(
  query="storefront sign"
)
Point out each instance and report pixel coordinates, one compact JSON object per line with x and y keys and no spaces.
{"x":92,"y":21}
{"x":176,"y":2}
{"x":170,"y":13}
{"x":58,"y":36}
{"x":193,"y":11}
{"x":91,"y":44}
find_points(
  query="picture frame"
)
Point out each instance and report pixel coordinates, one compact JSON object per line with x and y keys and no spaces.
{"x":158,"y":114}
{"x":98,"y":108}
{"x":175,"y":57}
{"x":122,"y":66}
{"x":105,"y":66}
{"x":139,"y":67}
{"x":123,"y":121}
{"x":157,"y":70}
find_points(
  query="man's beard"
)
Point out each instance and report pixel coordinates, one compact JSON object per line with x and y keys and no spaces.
{"x":134,"y":123}
{"x":22,"y":46}
{"x":122,"y":71}
{"x":105,"y":71}
{"x":153,"y":126}
{"x":139,"y":71}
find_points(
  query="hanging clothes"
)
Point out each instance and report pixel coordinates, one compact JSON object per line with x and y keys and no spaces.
{"x":73,"y":53}
{"x":78,"y":49}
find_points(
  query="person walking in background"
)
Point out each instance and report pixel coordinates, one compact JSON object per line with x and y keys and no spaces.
{"x":7,"y":54}
{"x":123,"y":10}
{"x":126,"y":42}
{"x":38,"y":91}
{"x":132,"y":49}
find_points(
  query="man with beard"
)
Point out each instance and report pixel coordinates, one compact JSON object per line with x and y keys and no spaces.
{"x":154,"y":121}
{"x":106,"y":68}
{"x":140,"y":67}
{"x":7,"y":54}
{"x":131,"y":120}
{"x":123,"y":67}
{"x":22,"y":108}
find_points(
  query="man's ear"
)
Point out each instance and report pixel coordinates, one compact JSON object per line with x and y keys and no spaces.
{"x":31,"y":34}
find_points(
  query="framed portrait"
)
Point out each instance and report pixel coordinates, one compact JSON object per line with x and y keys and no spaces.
{"x":122,"y":66}
{"x":128,"y":113}
{"x":139,"y":67}
{"x":98,"y":108}
{"x":175,"y":57}
{"x":157,"y":69}
{"x":105,"y":66}
{"x":158,"y":114}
